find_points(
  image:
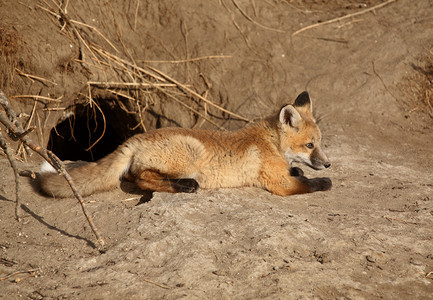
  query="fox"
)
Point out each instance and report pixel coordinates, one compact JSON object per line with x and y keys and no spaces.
{"x":176,"y":160}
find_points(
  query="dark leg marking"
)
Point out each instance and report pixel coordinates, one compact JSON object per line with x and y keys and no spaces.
{"x":184,"y":185}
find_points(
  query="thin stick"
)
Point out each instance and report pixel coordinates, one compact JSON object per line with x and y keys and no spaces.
{"x":14,"y":121}
{"x":130,"y":199}
{"x":28,"y":173}
{"x":15,"y":133}
{"x":105,"y":127}
{"x":155,"y":283}
{"x":350,"y":23}
{"x":344,"y":17}
{"x":232,"y":15}
{"x":18,"y":272}
{"x":136,"y":15}
{"x":254,"y":22}
{"x":11,"y":114}
{"x":205,"y":108}
{"x":37,"y":97}
{"x":14,"y":167}
{"x":54,"y":109}
{"x":427,"y":101}
{"x":31,"y":77}
{"x":184,"y":31}
{"x":67,"y":21}
{"x":186,"y":60}
{"x":124,"y":96}
{"x":193,"y":110}
{"x":140,"y":114}
{"x":125,"y":62}
{"x":97,"y":31}
{"x":65,"y":6}
{"x":165,"y":77}
{"x":27,"y":127}
{"x":32,"y":274}
{"x":60,"y":167}
{"x":381,"y":80}
{"x":186,"y":89}
{"x":128,"y":85}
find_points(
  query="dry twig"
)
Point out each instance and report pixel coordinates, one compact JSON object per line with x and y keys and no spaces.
{"x":156,"y":283}
{"x":37,"y":97}
{"x":141,"y":79}
{"x":103,"y":131}
{"x":136,"y":14}
{"x":14,"y":167}
{"x":181,"y":61}
{"x":195,"y":94}
{"x":28,"y":173}
{"x":381,"y":80}
{"x":164,"y":78}
{"x":128,"y":85}
{"x":344,"y":17}
{"x":34,"y":77}
{"x":254,"y":22}
{"x":31,"y":272}
{"x":97,"y":31}
{"x":18,"y":134}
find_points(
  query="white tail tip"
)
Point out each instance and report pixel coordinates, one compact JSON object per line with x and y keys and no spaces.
{"x":47,"y":168}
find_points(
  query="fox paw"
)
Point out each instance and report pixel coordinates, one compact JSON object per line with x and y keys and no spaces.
{"x":320,"y":184}
{"x":185,"y":185}
{"x":296,"y":172}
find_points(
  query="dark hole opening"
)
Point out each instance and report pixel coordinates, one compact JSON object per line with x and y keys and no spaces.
{"x":72,"y":138}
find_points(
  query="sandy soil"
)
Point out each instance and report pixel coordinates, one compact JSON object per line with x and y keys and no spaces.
{"x":370,"y":237}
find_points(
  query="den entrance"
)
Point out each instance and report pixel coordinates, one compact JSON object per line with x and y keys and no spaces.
{"x":89,"y":134}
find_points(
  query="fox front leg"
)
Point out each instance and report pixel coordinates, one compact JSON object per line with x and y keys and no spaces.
{"x":316,"y":184}
{"x":276,"y":179}
{"x":291,"y":185}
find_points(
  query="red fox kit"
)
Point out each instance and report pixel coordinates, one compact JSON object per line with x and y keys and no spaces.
{"x":182,"y":160}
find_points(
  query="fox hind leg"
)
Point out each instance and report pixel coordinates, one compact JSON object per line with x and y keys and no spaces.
{"x":152,"y":180}
{"x":283,"y":181}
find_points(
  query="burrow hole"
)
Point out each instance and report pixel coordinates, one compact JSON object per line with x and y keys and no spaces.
{"x":81,"y":136}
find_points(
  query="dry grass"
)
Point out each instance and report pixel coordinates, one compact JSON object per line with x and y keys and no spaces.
{"x":126,"y":79}
{"x":116,"y":79}
{"x":418,"y":88}
{"x":10,"y":43}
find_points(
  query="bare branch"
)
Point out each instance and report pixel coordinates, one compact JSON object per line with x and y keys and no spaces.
{"x":15,"y":132}
{"x":12,"y":161}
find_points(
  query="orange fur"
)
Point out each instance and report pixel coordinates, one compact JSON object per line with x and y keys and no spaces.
{"x":180,"y":160}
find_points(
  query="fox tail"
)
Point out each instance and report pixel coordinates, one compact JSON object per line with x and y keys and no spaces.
{"x":89,"y":178}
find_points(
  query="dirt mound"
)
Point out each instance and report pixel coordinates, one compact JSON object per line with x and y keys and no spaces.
{"x":104,"y":71}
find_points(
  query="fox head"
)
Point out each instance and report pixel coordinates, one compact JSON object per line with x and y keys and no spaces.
{"x":300,"y":136}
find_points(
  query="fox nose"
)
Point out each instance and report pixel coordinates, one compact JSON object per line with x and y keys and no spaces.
{"x":327,"y":165}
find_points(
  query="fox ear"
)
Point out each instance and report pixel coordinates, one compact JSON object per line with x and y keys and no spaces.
{"x":290,"y":116}
{"x":303,"y":100}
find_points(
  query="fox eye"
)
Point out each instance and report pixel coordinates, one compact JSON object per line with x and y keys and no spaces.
{"x":310,"y":145}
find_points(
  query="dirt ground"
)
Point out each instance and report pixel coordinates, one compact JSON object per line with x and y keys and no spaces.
{"x":370,"y":77}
